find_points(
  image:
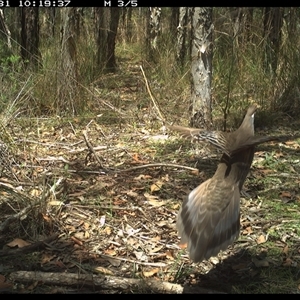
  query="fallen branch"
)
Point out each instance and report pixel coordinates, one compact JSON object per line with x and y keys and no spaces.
{"x":157,"y":165}
{"x":90,"y":147}
{"x":59,"y":158}
{"x":161,"y":118}
{"x":12,"y":191}
{"x":95,"y":281}
{"x":16,"y":217}
{"x":22,"y":197}
{"x":103,"y":282}
{"x":108,"y":104}
{"x":61,"y":145}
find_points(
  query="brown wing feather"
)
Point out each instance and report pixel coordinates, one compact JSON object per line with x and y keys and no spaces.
{"x":209,"y":219}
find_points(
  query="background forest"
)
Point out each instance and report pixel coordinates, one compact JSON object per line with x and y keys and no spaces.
{"x":91,"y":183}
{"x":62,"y":62}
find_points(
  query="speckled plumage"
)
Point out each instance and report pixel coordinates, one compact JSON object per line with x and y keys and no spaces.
{"x":209,"y":219}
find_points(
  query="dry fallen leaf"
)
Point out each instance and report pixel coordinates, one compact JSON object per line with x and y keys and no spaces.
{"x":292,"y":143}
{"x":103,"y":271}
{"x":131,"y":231}
{"x":114,"y":262}
{"x":158,"y":203}
{"x":169,"y":255}
{"x":46,"y":218}
{"x":132,"y":194}
{"x":286,"y":250}
{"x":247,"y":230}
{"x":136,"y":159}
{"x":286,"y":194}
{"x":140,"y":255}
{"x":154,"y":200}
{"x":195,"y":172}
{"x":55,"y":203}
{"x":46,"y":258}
{"x":267,"y":171}
{"x":110,"y":252}
{"x":151,"y":272}
{"x":107,"y":230}
{"x":148,"y":196}
{"x":261,"y":239}
{"x":156,"y":238}
{"x":18,"y":243}
{"x":35,"y":192}
{"x":142,"y":177}
{"x":156,"y":186}
{"x":175,"y":206}
{"x":182,"y":246}
{"x":156,"y":249}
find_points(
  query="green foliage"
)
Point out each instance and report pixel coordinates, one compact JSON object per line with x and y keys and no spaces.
{"x":10,"y":71}
{"x":239,"y":76}
{"x":10,"y":64}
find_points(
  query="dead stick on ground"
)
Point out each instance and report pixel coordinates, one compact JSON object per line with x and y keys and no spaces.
{"x":12,"y":191}
{"x":157,"y":165}
{"x":152,"y":97}
{"x":108,"y":104}
{"x":91,"y":148}
{"x":95,"y":281}
{"x":4,"y":225}
{"x":100,"y":282}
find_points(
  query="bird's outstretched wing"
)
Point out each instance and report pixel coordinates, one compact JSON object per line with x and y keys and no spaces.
{"x":209,"y":219}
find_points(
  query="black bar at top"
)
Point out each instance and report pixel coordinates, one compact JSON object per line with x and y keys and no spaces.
{"x":76,"y":3}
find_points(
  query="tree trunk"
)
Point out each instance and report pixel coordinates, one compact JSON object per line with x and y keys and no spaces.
{"x":30,"y":36}
{"x":273,"y":20}
{"x":68,"y":76}
{"x":78,"y":20}
{"x":174,"y":22}
{"x":51,"y":14}
{"x":4,"y":30}
{"x":108,"y":26}
{"x":182,"y":34}
{"x":201,"y":69}
{"x":111,"y":64}
{"x":248,"y":24}
{"x":236,"y":15}
{"x":127,"y":24}
{"x":153,"y":32}
{"x":293,"y":13}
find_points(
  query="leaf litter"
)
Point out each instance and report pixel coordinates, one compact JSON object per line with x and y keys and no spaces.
{"x":123,"y":223}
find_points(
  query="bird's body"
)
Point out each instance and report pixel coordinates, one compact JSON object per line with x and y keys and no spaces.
{"x":209,"y":219}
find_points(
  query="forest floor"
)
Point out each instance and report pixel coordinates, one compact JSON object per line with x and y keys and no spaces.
{"x":89,"y":205}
